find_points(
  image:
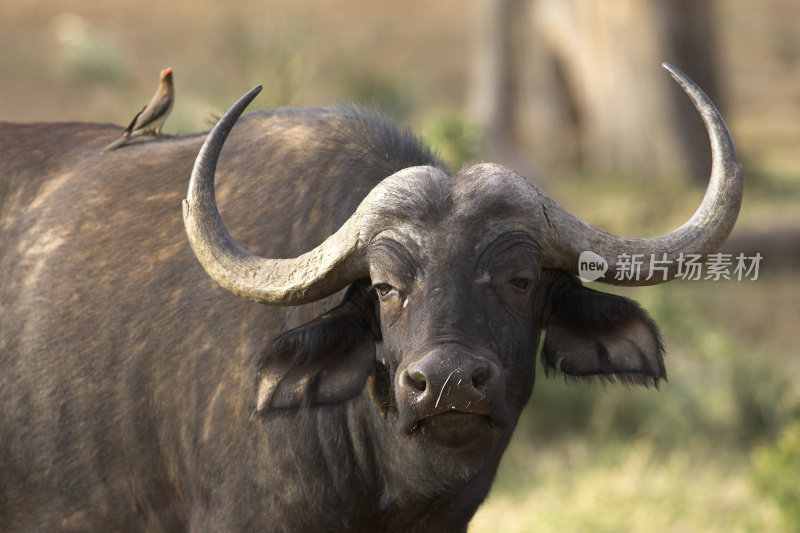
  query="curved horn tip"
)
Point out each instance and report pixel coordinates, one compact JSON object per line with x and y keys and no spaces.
{"x":252,"y":93}
{"x":241,"y":104}
{"x":689,"y":86}
{"x":209,"y":151}
{"x":675,"y":72}
{"x":230,"y":116}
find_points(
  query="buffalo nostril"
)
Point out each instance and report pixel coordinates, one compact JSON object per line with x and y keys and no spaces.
{"x":480,"y":376}
{"x":416,"y":380}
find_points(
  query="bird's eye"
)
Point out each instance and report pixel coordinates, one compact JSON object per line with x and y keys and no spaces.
{"x":522,"y":284}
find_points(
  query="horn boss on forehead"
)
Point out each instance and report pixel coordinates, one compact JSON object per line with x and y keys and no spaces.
{"x":339,"y":260}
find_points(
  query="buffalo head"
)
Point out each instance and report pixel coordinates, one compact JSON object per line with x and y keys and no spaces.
{"x":453,"y":276}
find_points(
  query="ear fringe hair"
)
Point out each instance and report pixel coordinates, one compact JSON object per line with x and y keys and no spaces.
{"x":622,"y":378}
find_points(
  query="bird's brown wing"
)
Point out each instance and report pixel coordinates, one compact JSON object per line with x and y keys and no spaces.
{"x":131,"y":126}
{"x":152,"y":112}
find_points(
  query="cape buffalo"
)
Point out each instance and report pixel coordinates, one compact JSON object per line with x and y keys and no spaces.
{"x":138,"y":395}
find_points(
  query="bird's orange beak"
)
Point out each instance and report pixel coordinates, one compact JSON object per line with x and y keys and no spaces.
{"x":167,"y":71}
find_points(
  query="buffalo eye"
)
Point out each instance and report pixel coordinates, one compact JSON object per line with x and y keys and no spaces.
{"x":384,"y":291}
{"x":520,"y":284}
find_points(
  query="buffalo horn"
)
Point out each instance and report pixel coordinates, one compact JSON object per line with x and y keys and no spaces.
{"x":329,"y":267}
{"x":701,"y":235}
{"x":309,"y":277}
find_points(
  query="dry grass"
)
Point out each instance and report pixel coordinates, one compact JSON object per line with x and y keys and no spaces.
{"x":580,"y":487}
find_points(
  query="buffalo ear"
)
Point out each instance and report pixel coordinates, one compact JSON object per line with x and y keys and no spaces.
{"x":595,"y":334}
{"x":325,"y":361}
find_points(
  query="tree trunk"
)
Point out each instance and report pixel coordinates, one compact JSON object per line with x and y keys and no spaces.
{"x":578,"y":84}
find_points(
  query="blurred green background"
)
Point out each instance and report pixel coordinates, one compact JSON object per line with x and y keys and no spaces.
{"x":717,"y":448}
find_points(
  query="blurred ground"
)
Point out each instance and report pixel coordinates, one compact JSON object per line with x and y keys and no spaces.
{"x":698,"y":455}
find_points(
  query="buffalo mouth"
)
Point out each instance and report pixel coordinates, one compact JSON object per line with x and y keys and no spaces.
{"x":456,"y":429}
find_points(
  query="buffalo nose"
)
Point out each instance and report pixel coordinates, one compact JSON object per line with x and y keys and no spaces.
{"x":446,"y":379}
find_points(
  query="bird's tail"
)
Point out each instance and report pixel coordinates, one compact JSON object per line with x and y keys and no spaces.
{"x":116,"y":144}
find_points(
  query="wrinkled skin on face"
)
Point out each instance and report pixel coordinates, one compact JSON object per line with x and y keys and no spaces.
{"x":448,"y":324}
{"x":457,"y":320}
{"x":458,"y":344}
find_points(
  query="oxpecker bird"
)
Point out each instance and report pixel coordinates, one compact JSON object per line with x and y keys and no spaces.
{"x":152,"y":116}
